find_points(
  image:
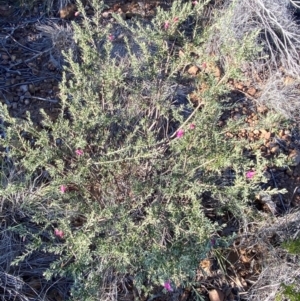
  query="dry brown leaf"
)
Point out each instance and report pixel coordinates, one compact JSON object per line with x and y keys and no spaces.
{"x":68,"y":12}
{"x":216,"y":295}
{"x":181,"y":53}
{"x":193,"y":70}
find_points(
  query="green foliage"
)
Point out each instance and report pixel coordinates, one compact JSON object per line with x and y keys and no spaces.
{"x":292,"y":246}
{"x":132,"y":201}
{"x":290,"y":292}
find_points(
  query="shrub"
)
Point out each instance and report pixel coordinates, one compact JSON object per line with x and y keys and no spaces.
{"x":119,"y":180}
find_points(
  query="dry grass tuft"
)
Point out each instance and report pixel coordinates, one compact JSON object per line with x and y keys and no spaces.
{"x":278,"y":267}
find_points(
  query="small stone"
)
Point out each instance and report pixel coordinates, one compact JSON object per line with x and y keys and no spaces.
{"x":13,"y":58}
{"x":229,"y":135}
{"x":275,"y":149}
{"x":27,"y":101}
{"x":294,"y":156}
{"x":106,"y":14}
{"x":256,"y":132}
{"x":31,"y":88}
{"x":27,"y":94}
{"x":14,"y":105}
{"x":262,"y":109}
{"x":251,"y":91}
{"x":24,"y":88}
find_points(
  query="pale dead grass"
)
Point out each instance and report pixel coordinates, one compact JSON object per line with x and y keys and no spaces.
{"x":277,"y":266}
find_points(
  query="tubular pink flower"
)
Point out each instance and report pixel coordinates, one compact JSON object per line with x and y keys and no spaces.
{"x":79,"y":152}
{"x":176,"y":19}
{"x":195,"y":2}
{"x":59,"y":233}
{"x":250,"y":174}
{"x":63,"y":188}
{"x":167,"y":286}
{"x":166,"y":25}
{"x":192,"y":126}
{"x":180,"y":133}
{"x":110,"y":37}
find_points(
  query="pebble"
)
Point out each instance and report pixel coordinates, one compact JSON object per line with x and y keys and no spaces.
{"x":106,"y":14}
{"x":295,"y":157}
{"x":27,"y":101}
{"x":262,"y":109}
{"x":24,"y":88}
{"x":275,"y":149}
{"x":31,"y":88}
{"x":251,"y":91}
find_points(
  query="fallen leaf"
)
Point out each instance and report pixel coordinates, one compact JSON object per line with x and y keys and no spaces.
{"x":68,"y":12}
{"x":216,"y":295}
{"x":193,"y":70}
{"x":206,"y":266}
{"x":181,"y":53}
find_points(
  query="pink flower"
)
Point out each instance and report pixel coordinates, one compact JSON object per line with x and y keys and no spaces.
{"x":204,"y":65}
{"x":77,"y":13}
{"x":111,"y":37}
{"x":166,"y":25}
{"x":250,"y":174}
{"x":79,"y":152}
{"x":175,"y":19}
{"x":180,"y":133}
{"x":63,"y":188}
{"x":167,"y":286}
{"x":59,"y":233}
{"x":192,"y":126}
{"x":195,"y":2}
